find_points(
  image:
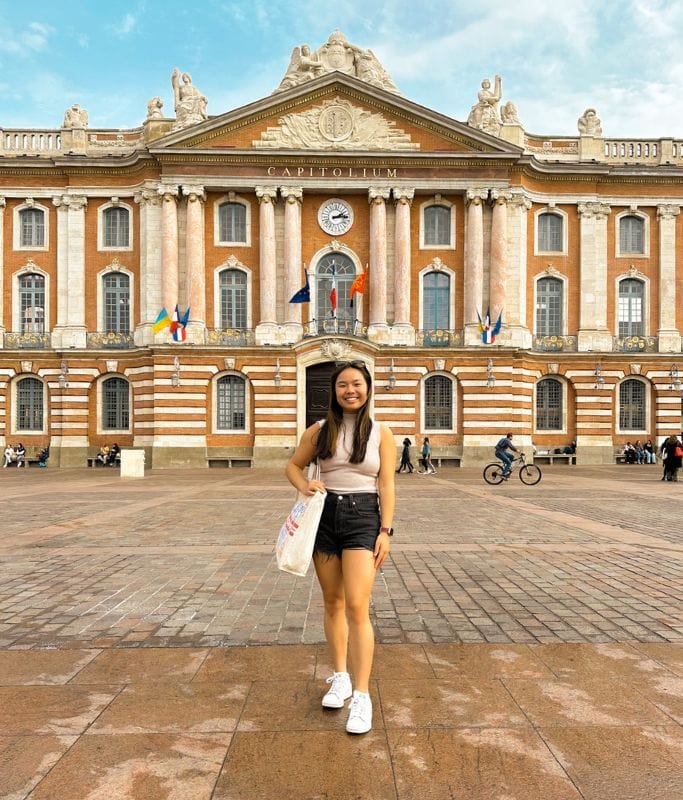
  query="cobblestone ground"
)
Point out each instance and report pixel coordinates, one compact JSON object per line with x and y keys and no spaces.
{"x":88,"y":559}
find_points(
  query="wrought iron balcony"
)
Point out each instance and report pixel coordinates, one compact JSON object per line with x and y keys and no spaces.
{"x":109,"y":340}
{"x":26,"y":341}
{"x":343,"y":327}
{"x":635,"y":344}
{"x":553,"y":344}
{"x":439,"y":337}
{"x":230,"y":337}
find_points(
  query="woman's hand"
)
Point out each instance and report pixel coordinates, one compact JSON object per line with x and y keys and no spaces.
{"x":382,"y":548}
{"x":315,"y":486}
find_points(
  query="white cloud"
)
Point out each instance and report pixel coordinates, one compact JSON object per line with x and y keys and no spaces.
{"x":33,"y":39}
{"x":126,"y":26}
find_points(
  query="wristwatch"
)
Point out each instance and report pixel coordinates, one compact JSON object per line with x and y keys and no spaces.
{"x":390,"y":531}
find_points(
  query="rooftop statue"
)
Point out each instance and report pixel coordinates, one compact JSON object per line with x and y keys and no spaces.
{"x":75,"y":117}
{"x":337,"y":54}
{"x":484,"y":114}
{"x":190,"y":103}
{"x":589,"y":124}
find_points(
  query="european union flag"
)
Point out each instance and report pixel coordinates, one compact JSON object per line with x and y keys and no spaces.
{"x":304,"y":294}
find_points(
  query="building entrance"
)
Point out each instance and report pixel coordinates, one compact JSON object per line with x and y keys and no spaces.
{"x":318,"y":390}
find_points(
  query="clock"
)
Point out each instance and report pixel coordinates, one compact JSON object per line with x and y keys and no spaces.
{"x":335,"y":217}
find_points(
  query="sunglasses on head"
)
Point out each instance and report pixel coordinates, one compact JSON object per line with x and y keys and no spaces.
{"x":357,"y":364}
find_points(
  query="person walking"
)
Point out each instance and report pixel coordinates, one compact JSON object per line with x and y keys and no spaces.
{"x":426,"y":460}
{"x":502,"y":447}
{"x":356,"y":456}
{"x":405,"y":457}
{"x":672,"y":455}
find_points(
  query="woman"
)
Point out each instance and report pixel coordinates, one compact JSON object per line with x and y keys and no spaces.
{"x":356,"y":457}
{"x":20,"y":454}
{"x":649,"y":450}
{"x":405,"y":457}
{"x":426,"y":457}
{"x":672,"y":461}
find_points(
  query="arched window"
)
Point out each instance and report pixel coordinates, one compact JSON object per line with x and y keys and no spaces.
{"x":631,"y":234}
{"x":232,"y":285}
{"x":116,"y":287}
{"x":116,"y":227}
{"x":437,"y":226}
{"x":550,"y":233}
{"x":231,"y":403}
{"x":32,"y":303}
{"x":549,"y":305}
{"x":632,"y":405}
{"x":436,"y":301}
{"x":115,"y":405}
{"x":334,"y":271}
{"x":32,"y":227}
{"x":549,"y":405}
{"x":438,"y":403}
{"x":630,"y":307}
{"x":29,"y":405}
{"x":232,"y":222}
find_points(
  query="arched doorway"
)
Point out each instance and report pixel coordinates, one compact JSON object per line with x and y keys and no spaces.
{"x":318,"y":390}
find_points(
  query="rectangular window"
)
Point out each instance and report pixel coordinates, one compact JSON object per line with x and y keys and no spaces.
{"x":437,"y":226}
{"x":30,"y":405}
{"x":550,"y":233}
{"x":32,"y":227}
{"x":116,"y":227}
{"x":549,"y":302}
{"x":438,"y":403}
{"x":231,"y":411}
{"x":232,"y":219}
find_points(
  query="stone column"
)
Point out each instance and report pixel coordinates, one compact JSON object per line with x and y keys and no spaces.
{"x":474,"y":263}
{"x":195,"y":277}
{"x":70,"y":329}
{"x":378,"y":330}
{"x":149,"y":289}
{"x":404,"y":331}
{"x":593,"y":331}
{"x":169,"y":248}
{"x":517,"y":328}
{"x":668,"y":333}
{"x":266,"y":330}
{"x":499,"y":253}
{"x":293,"y":273}
{"x":2,"y":270}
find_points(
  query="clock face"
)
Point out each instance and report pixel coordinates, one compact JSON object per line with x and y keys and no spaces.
{"x":335,"y":217}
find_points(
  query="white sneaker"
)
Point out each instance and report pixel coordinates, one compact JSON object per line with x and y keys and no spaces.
{"x":339,"y":692}
{"x":360,"y":713}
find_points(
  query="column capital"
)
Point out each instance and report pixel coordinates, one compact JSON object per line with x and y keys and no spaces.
{"x":147,"y":197}
{"x":403,"y":195}
{"x":594,"y":210}
{"x":76,"y":202}
{"x":266,"y":194}
{"x":500,"y":197}
{"x":2,"y":202}
{"x":292,"y":194}
{"x":168,"y":193}
{"x":476,"y":195}
{"x":668,"y":211}
{"x":378,"y":194}
{"x":520,"y":200}
{"x":194,"y":192}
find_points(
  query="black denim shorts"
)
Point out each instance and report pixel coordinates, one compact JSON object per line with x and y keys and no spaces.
{"x":348,"y":522}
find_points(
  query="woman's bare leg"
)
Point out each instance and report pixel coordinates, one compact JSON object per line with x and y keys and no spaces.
{"x":358,"y":568}
{"x":329,"y":572}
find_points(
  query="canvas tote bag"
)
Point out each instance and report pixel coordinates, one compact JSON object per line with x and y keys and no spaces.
{"x":294,"y":546}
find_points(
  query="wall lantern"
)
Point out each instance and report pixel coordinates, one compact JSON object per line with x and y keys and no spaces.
{"x":277,"y":380}
{"x":64,"y":375}
{"x":391,"y":380}
{"x":674,"y":379}
{"x":599,"y":380}
{"x":490,"y":377}
{"x":175,"y":377}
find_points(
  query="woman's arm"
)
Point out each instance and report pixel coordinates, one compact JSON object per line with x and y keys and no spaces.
{"x":302,"y":457}
{"x":386,"y":492}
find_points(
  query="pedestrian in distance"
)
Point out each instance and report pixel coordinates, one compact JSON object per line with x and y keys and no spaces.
{"x":406,"y":463}
{"x":426,"y":459}
{"x":357,"y":458}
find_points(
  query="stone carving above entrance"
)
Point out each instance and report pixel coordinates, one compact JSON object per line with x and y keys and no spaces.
{"x":337,"y":54}
{"x":336,"y":125}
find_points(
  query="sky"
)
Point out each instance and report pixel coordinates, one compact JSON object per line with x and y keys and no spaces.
{"x":624,"y":58}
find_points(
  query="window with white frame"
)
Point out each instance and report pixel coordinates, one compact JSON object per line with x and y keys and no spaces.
{"x":334,"y":271}
{"x":437,"y":226}
{"x":436,"y":301}
{"x":231,"y":403}
{"x":630,"y":316}
{"x":116,"y":227}
{"x":31,"y":227}
{"x":549,"y":410}
{"x":32,"y":303}
{"x":115,"y":404}
{"x":549,"y":306}
{"x":550,"y":232}
{"x":232,"y":223}
{"x":116,"y":297}
{"x":232,"y":286}
{"x":632,"y":405}
{"x":29,"y":405}
{"x":631,"y":235}
{"x":438,"y":403}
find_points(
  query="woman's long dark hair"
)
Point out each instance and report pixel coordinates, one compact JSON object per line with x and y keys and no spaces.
{"x":326,"y":444}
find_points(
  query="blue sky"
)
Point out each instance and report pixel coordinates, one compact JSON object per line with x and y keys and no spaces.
{"x":556,"y":59}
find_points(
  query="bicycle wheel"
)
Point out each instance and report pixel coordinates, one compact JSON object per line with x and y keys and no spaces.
{"x":530,"y":474}
{"x":493,"y":474}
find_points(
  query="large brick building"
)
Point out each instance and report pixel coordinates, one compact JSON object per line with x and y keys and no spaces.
{"x":576,"y":240}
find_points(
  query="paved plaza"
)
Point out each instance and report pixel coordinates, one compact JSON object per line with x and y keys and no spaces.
{"x":530,"y":641}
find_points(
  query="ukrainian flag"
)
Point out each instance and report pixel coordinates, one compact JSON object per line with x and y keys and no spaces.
{"x":162,"y":321}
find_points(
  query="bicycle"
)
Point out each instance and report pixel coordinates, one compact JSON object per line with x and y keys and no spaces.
{"x":529,"y":474}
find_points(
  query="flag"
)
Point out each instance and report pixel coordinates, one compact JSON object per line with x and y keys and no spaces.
{"x":488,"y":333}
{"x":162,"y":321}
{"x":358,"y":285}
{"x":177,"y":325}
{"x":333,"y":291}
{"x":304,"y":294}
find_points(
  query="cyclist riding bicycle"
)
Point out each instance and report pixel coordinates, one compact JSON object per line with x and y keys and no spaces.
{"x":502,"y":447}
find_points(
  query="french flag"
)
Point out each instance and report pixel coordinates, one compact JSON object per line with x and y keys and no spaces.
{"x":333,"y":292}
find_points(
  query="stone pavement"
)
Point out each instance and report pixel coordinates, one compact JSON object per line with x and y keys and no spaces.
{"x":530,"y":641}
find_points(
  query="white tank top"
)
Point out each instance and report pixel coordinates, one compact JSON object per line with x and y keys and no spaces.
{"x":342,"y":477}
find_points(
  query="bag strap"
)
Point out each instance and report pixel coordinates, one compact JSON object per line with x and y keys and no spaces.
{"x":314,"y":470}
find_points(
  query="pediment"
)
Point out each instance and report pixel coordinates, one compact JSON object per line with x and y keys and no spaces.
{"x":336,"y":113}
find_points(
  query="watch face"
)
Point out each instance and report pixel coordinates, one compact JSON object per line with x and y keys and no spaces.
{"x":335,"y":217}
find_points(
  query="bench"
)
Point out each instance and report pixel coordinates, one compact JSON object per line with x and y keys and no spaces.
{"x":550,"y":458}
{"x":445,"y":461}
{"x":93,"y":462}
{"x":222,"y":462}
